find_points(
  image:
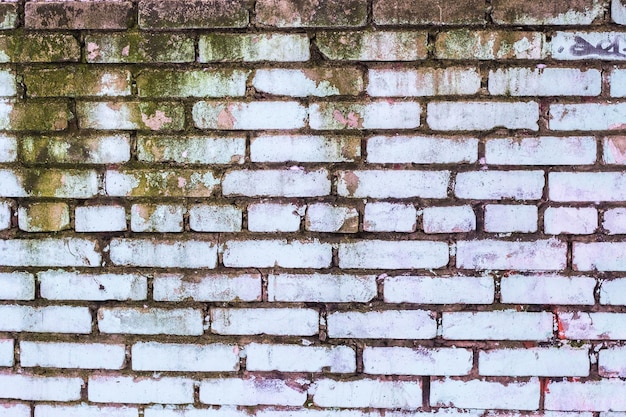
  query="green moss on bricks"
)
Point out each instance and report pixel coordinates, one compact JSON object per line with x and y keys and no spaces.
{"x":201,"y":83}
{"x":30,"y":47}
{"x":42,"y":150}
{"x":39,"y":116}
{"x":77,"y":81}
{"x":341,"y":45}
{"x":44,"y":217}
{"x":136,"y":47}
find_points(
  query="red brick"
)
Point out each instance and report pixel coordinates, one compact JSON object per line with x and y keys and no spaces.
{"x":428,"y":12}
{"x":322,"y":13}
{"x":78,"y":14}
{"x":193,"y":14}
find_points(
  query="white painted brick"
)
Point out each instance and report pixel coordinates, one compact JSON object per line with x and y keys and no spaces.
{"x":439,"y":290}
{"x":84,"y":410}
{"x":275,"y":217}
{"x":255,"y":47}
{"x":450,"y":115}
{"x":17,"y":286}
{"x":388,"y":324}
{"x":321,"y":288}
{"x":382,"y":254}
{"x":49,"y":252}
{"x":380,"y":45}
{"x":423,"y":82}
{"x":406,"y":395}
{"x":8,"y":148}
{"x":617,"y":79}
{"x":129,"y":115}
{"x":604,"y":395}
{"x":497,"y":325}
{"x":587,"y":186}
{"x":544,"y":82}
{"x":163,"y":183}
{"x":421,"y":149}
{"x":253,"y":391}
{"x":8,"y":86}
{"x":416,"y":361}
{"x":612,"y":362}
{"x":207,"y":287}
{"x":6,"y":353}
{"x":43,"y":217}
{"x":100,"y":219}
{"x":600,"y":256}
{"x":613,"y":292}
{"x":485,"y":394}
{"x":588,"y":14}
{"x":72,"y":355}
{"x":540,"y":361}
{"x":571,"y":46}
{"x":154,"y":356}
{"x":51,"y":319}
{"x":192,"y":149}
{"x":324,"y":217}
{"x":38,"y":388}
{"x":498,"y":185}
{"x":587,"y":116}
{"x":570,"y":220}
{"x":591,"y":326}
{"x":389,"y":217}
{"x":181,"y":321}
{"x":272,"y":321}
{"x":374,"y":115}
{"x":189,"y":411}
{"x":540,"y":255}
{"x":76,"y":149}
{"x":66,"y":285}
{"x":304,"y":83}
{"x":5,"y":215}
{"x":454,"y":219}
{"x":164,"y":254}
{"x":256,"y":115}
{"x":544,"y":150}
{"x":273,"y":253}
{"x":293,"y":182}
{"x":14,"y":410}
{"x":547,"y":289}
{"x":614,"y":150}
{"x":304,"y":148}
{"x":126,"y":389}
{"x":508,"y":218}
{"x":618,"y":15}
{"x":213,"y":218}
{"x":295,"y":358}
{"x":309,"y":412}
{"x":156,"y":218}
{"x":393,"y":184}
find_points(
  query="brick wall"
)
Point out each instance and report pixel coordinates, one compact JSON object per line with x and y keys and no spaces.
{"x":299,"y":208}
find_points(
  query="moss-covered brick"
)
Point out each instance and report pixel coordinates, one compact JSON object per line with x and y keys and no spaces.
{"x":37,"y":47}
{"x":547,"y":12}
{"x":77,"y":81}
{"x":486,"y":45}
{"x":192,"y":149}
{"x":78,"y":14}
{"x":193,"y":14}
{"x":192,"y":83}
{"x":322,"y":13}
{"x":44,"y":217}
{"x":137,"y":47}
{"x":81,"y":149}
{"x":70,"y":183}
{"x":38,"y":116}
{"x":252,"y":48}
{"x":146,"y":183}
{"x":429,"y":12}
{"x":8,"y":15}
{"x":130,"y":116}
{"x":373,"y":46}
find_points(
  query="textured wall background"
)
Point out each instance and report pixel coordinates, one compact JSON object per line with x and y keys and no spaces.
{"x":351,"y":208}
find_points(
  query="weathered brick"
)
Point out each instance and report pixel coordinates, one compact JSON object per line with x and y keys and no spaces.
{"x":293,"y":182}
{"x":389,"y":217}
{"x":257,"y":115}
{"x":33,"y":115}
{"x":207,"y":287}
{"x":50,"y":252}
{"x":194,"y":14}
{"x":387,"y":324}
{"x":39,"y":388}
{"x":549,"y":361}
{"x":17,"y":286}
{"x":191,"y":149}
{"x":571,"y":46}
{"x":604,"y":395}
{"x":100,"y":219}
{"x":499,"y":185}
{"x":160,"y":218}
{"x":270,"y":321}
{"x":570,"y":220}
{"x":321,"y":288}
{"x":139,"y":47}
{"x":439,"y":290}
{"x":84,"y":410}
{"x":382,"y":254}
{"x":176,"y":183}
{"x":551,"y":12}
{"x":6,"y":213}
{"x":373,"y":46}
{"x":469,"y":44}
{"x":617,"y":80}
{"x":252,"y":391}
{"x":618,"y":11}
{"x":324,"y":217}
{"x":8,"y":20}
{"x":599,"y":256}
{"x":50,"y":182}
{"x":587,"y":116}
{"x":547,"y":289}
{"x":154,"y":356}
{"x":41,"y":14}
{"x":452,"y":219}
{"x":296,"y":358}
{"x":483,"y":394}
{"x":544,"y":150}
{"x":305,"y":148}
{"x":591,"y":326}
{"x":130,"y":116}
{"x":374,"y":115}
{"x":421,"y":150}
{"x":486,"y":115}
{"x":430,"y":12}
{"x":277,"y":47}
{"x":317,"y":82}
{"x":77,"y":81}
{"x":497,"y":325}
{"x":613,"y":292}
{"x":66,"y":285}
{"x":613,"y":150}
{"x":393,"y":184}
{"x":192,"y":83}
{"x":14,"y":409}
{"x":422,"y":82}
{"x":540,"y":255}
{"x":416,"y":361}
{"x":544,"y":82}
{"x":277,"y":253}
{"x":612,"y":362}
{"x":39,"y":47}
{"x":181,"y":321}
{"x":72,"y":355}
{"x":43,"y":217}
{"x":406,"y":395}
{"x":75,"y":149}
{"x":275,"y":217}
{"x":126,"y":389}
{"x":587,"y":186}
{"x":8,"y":85}
{"x":51,"y":319}
{"x":214,"y":218}
{"x":6,"y":353}
{"x":163,"y":254}
{"x":324,"y":13}
{"x":8,"y":148}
